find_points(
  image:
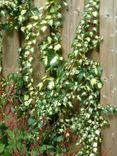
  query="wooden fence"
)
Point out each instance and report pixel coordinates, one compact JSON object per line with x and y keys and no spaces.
{"x":107,"y":56}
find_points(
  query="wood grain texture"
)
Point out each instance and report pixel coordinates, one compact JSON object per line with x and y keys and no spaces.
{"x":10,"y":52}
{"x":39,"y":3}
{"x":37,"y":65}
{"x":108,"y":57}
{"x":72,"y":16}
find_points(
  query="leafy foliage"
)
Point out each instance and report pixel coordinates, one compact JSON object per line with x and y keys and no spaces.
{"x":65,"y":104}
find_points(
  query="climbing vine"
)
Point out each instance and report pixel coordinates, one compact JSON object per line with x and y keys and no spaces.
{"x":64,"y":107}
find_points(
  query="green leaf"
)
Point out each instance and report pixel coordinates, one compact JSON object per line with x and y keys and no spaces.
{"x":50,"y":22}
{"x":2,"y":146}
{"x":26,"y":97}
{"x":7,"y":153}
{"x":31,"y":121}
{"x":44,"y":28}
{"x":57,"y":47}
{"x":80,"y":77}
{"x":45,"y":147}
{"x":49,"y":40}
{"x":93,"y":81}
{"x":99,"y":85}
{"x":44,"y":22}
{"x":53,"y":10}
{"x":34,"y":153}
{"x":29,"y":26}
{"x":60,"y":138}
{"x":23,"y":12}
{"x":11,"y":134}
{"x":95,"y":13}
{"x":54,"y":61}
{"x":34,"y":17}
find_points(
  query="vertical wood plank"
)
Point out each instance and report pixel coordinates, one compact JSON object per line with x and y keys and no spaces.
{"x":71,"y":19}
{"x":72,"y":16}
{"x":106,"y":31}
{"x":108,"y":57}
{"x":114,"y":78}
{"x":39,"y":3}
{"x":37,"y":65}
{"x":10,"y":52}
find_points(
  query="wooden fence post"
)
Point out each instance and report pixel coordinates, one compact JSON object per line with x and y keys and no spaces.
{"x":108,"y":57}
{"x":37,"y":65}
{"x":10,"y":52}
{"x":72,"y":16}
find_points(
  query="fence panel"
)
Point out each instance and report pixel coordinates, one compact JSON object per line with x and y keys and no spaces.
{"x":72,"y":17}
{"x":10,"y":46}
{"x":108,"y":57}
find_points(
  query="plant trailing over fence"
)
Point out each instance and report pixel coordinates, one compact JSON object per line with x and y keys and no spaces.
{"x":65,"y":105}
